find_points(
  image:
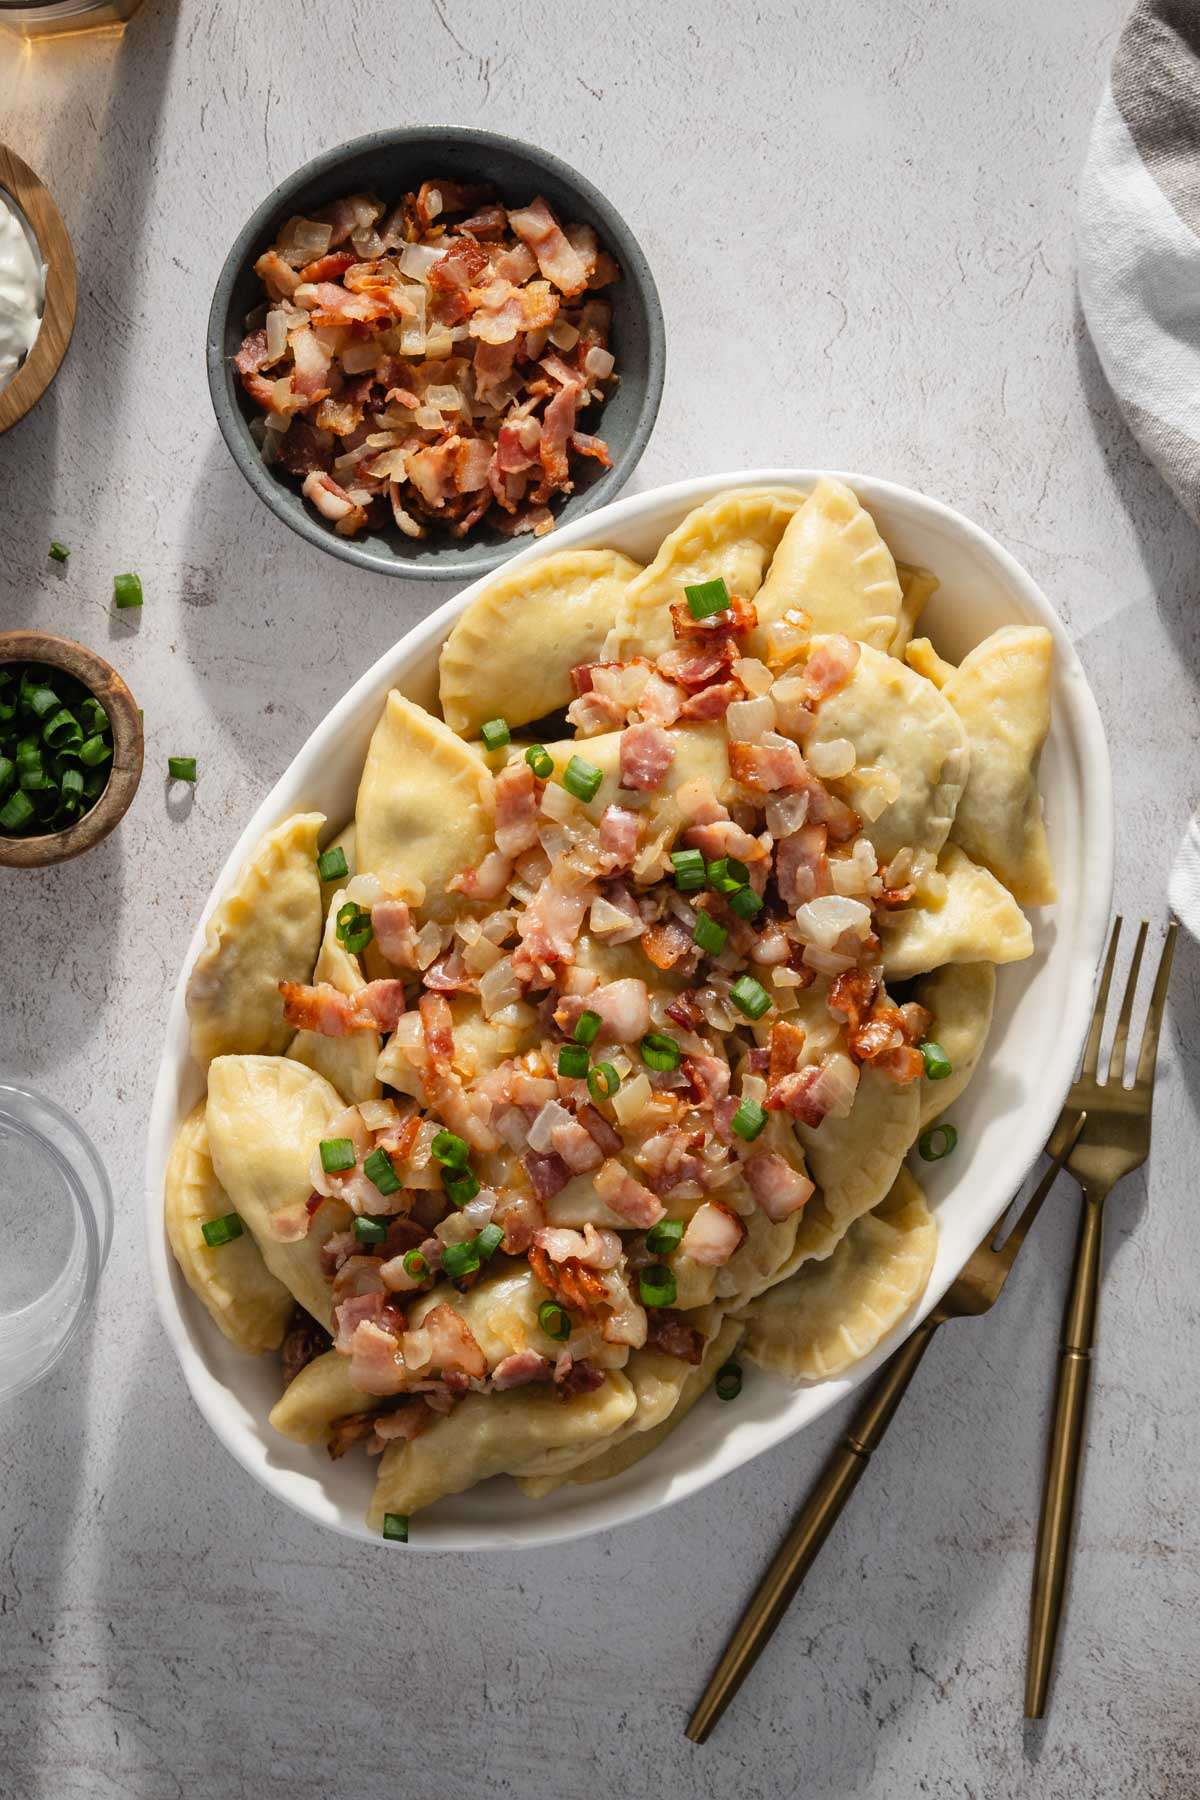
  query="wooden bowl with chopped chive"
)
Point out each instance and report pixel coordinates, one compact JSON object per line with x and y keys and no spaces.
{"x":70,"y":749}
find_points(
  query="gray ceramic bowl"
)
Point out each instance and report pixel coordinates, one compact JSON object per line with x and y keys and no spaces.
{"x":390,"y":163}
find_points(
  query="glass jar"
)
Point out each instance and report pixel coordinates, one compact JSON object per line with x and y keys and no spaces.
{"x":56,"y":1218}
{"x":52,"y":18}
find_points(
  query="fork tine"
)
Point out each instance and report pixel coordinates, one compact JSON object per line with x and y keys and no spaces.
{"x":1091,"y":1054}
{"x":1116,"y":1061}
{"x":1148,"y":1054}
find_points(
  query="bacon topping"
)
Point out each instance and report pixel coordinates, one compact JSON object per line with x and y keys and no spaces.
{"x":646,"y":755}
{"x":778,"y":1189}
{"x":376,"y":1007}
{"x":623,"y":1195}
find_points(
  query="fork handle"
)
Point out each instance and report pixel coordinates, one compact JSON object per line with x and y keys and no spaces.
{"x":813,"y":1524}
{"x":1064,"y":1459}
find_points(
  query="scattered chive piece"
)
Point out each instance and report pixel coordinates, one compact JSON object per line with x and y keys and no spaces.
{"x":495,"y":733}
{"x":573,"y":1061}
{"x":8,"y":773}
{"x":750,"y":997}
{"x":450,"y":1150}
{"x":181,"y":768}
{"x":705,"y":598}
{"x":664,"y":1237}
{"x":332,"y":864}
{"x":937,"y":1142}
{"x":587,"y":1027}
{"x":657,"y":1286}
{"x":127,"y":591}
{"x":582,"y":779}
{"x":337,"y":1154}
{"x":62,"y":728}
{"x":370,"y":1230}
{"x":660,"y":1051}
{"x":416,"y":1266}
{"x":728,"y":1384}
{"x":689,"y":870}
{"x":222,"y":1231}
{"x":378,"y":1168}
{"x":16,"y":812}
{"x":395,"y":1527}
{"x":460,"y":1259}
{"x":71,"y":786}
{"x":748,"y":1120}
{"x":937,"y":1063}
{"x":709,"y":934}
{"x":58,"y":552}
{"x":553,"y":1320}
{"x":94,"y":751}
{"x":540,"y":761}
{"x":489,"y":1240}
{"x":727,"y":875}
{"x":745,"y":902}
{"x":461,"y":1185}
{"x":93,"y":715}
{"x":39,"y":700}
{"x":603,"y":1081}
{"x":353,"y":929}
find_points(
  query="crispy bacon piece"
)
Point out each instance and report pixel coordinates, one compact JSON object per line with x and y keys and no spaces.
{"x":787,"y":1042}
{"x":713,"y":1233}
{"x":778,"y":1189}
{"x":708,"y":1075}
{"x":851,"y":996}
{"x":351,"y":1428}
{"x":623,"y":1006}
{"x":376,"y":1007}
{"x":670,"y":1332}
{"x":252,"y":355}
{"x":277,"y":276}
{"x":558,"y":422}
{"x":587,"y":445}
{"x":646,"y":755}
{"x":305,"y":1340}
{"x":713,"y":702}
{"x":395,"y":933}
{"x":522,"y":1367}
{"x":738,"y":617}
{"x":572,"y":1284}
{"x":487,"y":880}
{"x":457,"y":270}
{"x":696,"y":666}
{"x":445,"y":1342}
{"x":591,"y":1248}
{"x":334,"y":503}
{"x":811,"y":1094}
{"x":685,"y":1011}
{"x":669,"y":943}
{"x":802,"y":866}
{"x":550,"y":924}
{"x":830,"y":666}
{"x":521,"y":1215}
{"x":766,"y":767}
{"x":537,"y":226}
{"x":660,"y":701}
{"x":547,"y":1172}
{"x":623,"y":1195}
{"x":328,"y":267}
{"x":516,"y":793}
{"x":619,"y":833}
{"x":435,"y":199}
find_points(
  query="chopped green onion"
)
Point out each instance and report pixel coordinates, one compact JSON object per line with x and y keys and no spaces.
{"x":937,"y":1142}
{"x":603,"y":1081}
{"x":745,"y":902}
{"x":709,"y":934}
{"x":582,"y":779}
{"x":573,"y":1061}
{"x":451,"y":1150}
{"x":62,"y":728}
{"x":16,"y":812}
{"x":664,"y":1237}
{"x":38,"y":699}
{"x":705,"y":598}
{"x":727,"y":875}
{"x":553,"y":1320}
{"x":416,"y":1266}
{"x":540,"y":761}
{"x":689,"y":870}
{"x":221,"y":1231}
{"x":37,"y":781}
{"x":395,"y":1527}
{"x":461,"y":1186}
{"x":750,"y":997}
{"x":378,"y":1168}
{"x":337,"y":1154}
{"x":127,"y":591}
{"x":495,"y":733}
{"x":58,"y":552}
{"x":657,"y":1286}
{"x":181,"y":768}
{"x":587,"y":1027}
{"x":332,"y":864}
{"x":94,"y":751}
{"x":937,"y":1063}
{"x":460,"y":1259}
{"x":8,"y":773}
{"x":71,"y":785}
{"x":353,"y":928}
{"x":369,"y":1230}
{"x":489,"y":1240}
{"x":748,"y":1120}
{"x":93,"y":715}
{"x":728,"y":1384}
{"x":660,"y":1051}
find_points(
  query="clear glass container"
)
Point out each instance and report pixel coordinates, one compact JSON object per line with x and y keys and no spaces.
{"x":56,"y":1220}
{"x":51,"y":18}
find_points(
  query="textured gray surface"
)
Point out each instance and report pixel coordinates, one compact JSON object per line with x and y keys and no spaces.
{"x":859,"y":217}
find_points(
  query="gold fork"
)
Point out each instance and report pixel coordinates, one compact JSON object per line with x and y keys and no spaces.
{"x":1117,"y":1142}
{"x":975,"y":1289}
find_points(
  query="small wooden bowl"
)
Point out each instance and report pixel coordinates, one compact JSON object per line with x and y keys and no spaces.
{"x":58,"y":314}
{"x":103,"y":681}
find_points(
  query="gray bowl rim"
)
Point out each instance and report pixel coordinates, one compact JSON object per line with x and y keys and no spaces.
{"x":240,"y":444}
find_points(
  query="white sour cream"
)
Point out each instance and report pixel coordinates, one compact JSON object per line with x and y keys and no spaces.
{"x":22,"y":290}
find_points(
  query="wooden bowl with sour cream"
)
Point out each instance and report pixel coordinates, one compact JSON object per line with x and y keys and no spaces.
{"x":20,"y":186}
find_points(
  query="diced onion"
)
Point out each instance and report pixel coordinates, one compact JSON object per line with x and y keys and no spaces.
{"x":821,"y":922}
{"x":277,"y":333}
{"x":498,"y":987}
{"x":786,"y":813}
{"x":357,"y":358}
{"x":563,"y":335}
{"x":831,"y":759}
{"x":598,"y":362}
{"x":747,"y":720}
{"x":429,"y":943}
{"x":632,"y":1098}
{"x":548,"y":1120}
{"x":826,"y":962}
{"x":428,"y":418}
{"x":608,"y":920}
{"x":875,"y":789}
{"x":754,"y":676}
{"x":754,"y":1087}
{"x":439,"y":342}
{"x":416,"y":260}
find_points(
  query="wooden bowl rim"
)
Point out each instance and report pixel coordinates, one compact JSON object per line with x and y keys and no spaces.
{"x":128,"y":749}
{"x":59,"y":303}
